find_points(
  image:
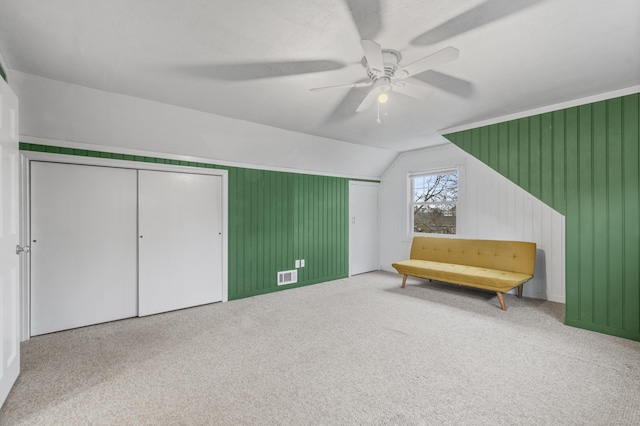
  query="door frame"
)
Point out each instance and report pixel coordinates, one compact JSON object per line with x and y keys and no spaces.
{"x":10,"y":242}
{"x":26,"y":157}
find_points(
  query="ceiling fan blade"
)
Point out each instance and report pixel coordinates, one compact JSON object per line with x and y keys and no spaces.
{"x":445,"y":55}
{"x":486,"y":12}
{"x":346,"y":107}
{"x":373,"y":53}
{"x":367,"y":17}
{"x":448,"y":83}
{"x":369,"y":99}
{"x":342,"y":86}
{"x":258,"y":70}
{"x":413,"y":88}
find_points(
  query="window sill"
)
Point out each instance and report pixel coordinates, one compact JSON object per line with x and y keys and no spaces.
{"x":409,"y":237}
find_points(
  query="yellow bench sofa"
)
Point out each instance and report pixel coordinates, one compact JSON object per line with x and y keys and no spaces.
{"x":494,"y":265}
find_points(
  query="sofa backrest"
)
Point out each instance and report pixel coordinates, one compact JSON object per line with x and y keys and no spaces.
{"x":513,"y":256}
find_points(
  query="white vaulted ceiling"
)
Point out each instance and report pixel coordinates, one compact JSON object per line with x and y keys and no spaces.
{"x":256,"y":60}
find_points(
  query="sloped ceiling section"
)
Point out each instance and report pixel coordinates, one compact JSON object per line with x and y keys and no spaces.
{"x":54,"y":111}
{"x":256,"y":61}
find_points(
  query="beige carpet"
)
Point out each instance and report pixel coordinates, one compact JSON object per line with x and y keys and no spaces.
{"x":348,"y":352}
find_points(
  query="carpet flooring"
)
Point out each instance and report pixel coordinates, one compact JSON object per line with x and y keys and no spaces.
{"x":348,"y":352}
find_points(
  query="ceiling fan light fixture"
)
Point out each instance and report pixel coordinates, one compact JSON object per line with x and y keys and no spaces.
{"x":383,"y":98}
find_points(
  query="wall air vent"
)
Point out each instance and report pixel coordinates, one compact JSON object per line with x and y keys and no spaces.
{"x":287,"y":277}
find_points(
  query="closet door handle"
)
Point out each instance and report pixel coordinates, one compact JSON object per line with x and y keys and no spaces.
{"x":22,"y":249}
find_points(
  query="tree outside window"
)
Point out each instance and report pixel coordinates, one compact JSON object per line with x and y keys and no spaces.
{"x":434,"y":198}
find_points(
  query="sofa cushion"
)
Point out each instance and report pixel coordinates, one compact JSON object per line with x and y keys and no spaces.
{"x":514,"y":256}
{"x":490,"y":279}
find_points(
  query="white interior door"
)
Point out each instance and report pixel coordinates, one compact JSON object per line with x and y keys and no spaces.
{"x":180,"y":241}
{"x":9,"y":229}
{"x":363,"y":227}
{"x":83,"y":246}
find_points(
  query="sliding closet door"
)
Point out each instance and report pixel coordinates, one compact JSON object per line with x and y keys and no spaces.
{"x":180,"y":240}
{"x":83,"y":249}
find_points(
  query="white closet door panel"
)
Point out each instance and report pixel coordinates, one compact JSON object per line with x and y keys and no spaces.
{"x":363,"y":228}
{"x":83,"y":249}
{"x":180,"y":244}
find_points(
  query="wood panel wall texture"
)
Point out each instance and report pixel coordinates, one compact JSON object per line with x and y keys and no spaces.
{"x":583,"y":162}
{"x":274,"y":218}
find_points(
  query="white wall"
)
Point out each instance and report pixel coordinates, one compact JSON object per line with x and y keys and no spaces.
{"x":55,"y":110}
{"x":490,"y":207}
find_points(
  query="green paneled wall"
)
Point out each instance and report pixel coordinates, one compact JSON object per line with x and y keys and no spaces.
{"x":274,"y":219}
{"x":583,"y":162}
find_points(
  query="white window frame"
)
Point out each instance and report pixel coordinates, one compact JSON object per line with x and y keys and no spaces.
{"x":410,"y":204}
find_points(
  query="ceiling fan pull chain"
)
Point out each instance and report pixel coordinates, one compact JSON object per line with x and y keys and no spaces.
{"x":378,"y":120}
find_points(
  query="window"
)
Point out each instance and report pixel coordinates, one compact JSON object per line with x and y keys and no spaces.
{"x":434,"y":199}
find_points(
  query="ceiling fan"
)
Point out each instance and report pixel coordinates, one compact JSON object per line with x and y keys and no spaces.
{"x":384,"y":70}
{"x":386,"y":74}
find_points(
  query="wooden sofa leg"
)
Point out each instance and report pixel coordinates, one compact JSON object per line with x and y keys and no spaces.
{"x":520,"y":291}
{"x":404,"y":280}
{"x":501,"y":299}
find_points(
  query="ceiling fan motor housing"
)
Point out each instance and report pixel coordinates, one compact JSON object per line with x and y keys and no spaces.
{"x":390,"y":58}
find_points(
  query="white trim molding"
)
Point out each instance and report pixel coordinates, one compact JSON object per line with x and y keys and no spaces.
{"x":541,"y":110}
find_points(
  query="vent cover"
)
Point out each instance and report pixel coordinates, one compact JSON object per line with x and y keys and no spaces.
{"x":287,"y":277}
